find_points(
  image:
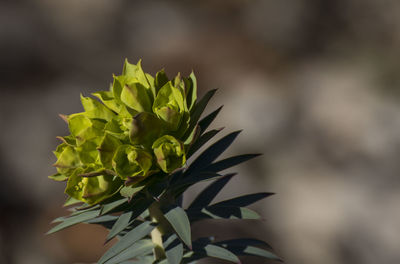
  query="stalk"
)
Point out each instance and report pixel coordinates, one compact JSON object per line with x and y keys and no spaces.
{"x":162,"y":228}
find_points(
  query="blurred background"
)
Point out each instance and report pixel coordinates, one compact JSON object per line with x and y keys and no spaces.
{"x":314,"y":84}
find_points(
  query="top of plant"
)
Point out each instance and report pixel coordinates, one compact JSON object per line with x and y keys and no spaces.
{"x":140,"y":127}
{"x":125,"y":164}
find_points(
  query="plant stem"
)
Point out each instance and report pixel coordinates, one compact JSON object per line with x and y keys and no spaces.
{"x":162,"y":228}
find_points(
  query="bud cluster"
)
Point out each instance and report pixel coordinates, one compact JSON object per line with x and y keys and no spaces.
{"x":136,"y":129}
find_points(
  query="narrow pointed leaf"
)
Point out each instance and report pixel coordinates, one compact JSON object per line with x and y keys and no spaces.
{"x":244,"y":200}
{"x":210,"y":192}
{"x":213,"y":152}
{"x":254,"y":251}
{"x":222,"y":213}
{"x":128,"y":240}
{"x":103,"y":219}
{"x":201,"y":105}
{"x":230,"y":162}
{"x":140,"y":248}
{"x":198,"y":109}
{"x":173,"y":249}
{"x":120,"y":224}
{"x":185,"y":183}
{"x":85,"y":208}
{"x":111,"y":206}
{"x":196,"y":178}
{"x":59,"y":219}
{"x":73,"y":220}
{"x":220,"y":253}
{"x":71,"y":201}
{"x":130,"y":191}
{"x":240,"y":242}
{"x":180,"y":222}
{"x":192,"y":95}
{"x":58,"y":177}
{"x":206,"y":121}
{"x":201,"y":141}
{"x":141,"y":260}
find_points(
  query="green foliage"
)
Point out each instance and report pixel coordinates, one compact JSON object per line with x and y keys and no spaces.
{"x":125,"y":167}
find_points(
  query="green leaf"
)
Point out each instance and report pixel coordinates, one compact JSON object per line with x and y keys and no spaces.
{"x":206,"y":121}
{"x":84,"y":128}
{"x":230,"y":162}
{"x":140,"y":248}
{"x":103,"y":219}
{"x":95,"y":109}
{"x":180,"y":222}
{"x":107,"y":221}
{"x":211,"y":153}
{"x":191,"y":95}
{"x":128,"y":240}
{"x":71,"y":201}
{"x":160,"y":80}
{"x":68,"y":160}
{"x":210,"y":192}
{"x":203,"y":139}
{"x":106,"y":208}
{"x":196,"y":178}
{"x":244,"y":200}
{"x":135,"y":71}
{"x":173,"y":249}
{"x":129,"y":191}
{"x":73,"y":220}
{"x":240,"y":242}
{"x":122,"y":222}
{"x":220,"y":253}
{"x":254,"y":251}
{"x":84,"y":207}
{"x":58,"y":177}
{"x":107,"y":149}
{"x":87,"y":151}
{"x":59,"y":219}
{"x":222,"y":212}
{"x":197,"y":110}
{"x":107,"y":98}
{"x":140,"y":260}
{"x":135,"y":96}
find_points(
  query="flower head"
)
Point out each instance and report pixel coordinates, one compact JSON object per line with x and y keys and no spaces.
{"x":170,"y":153}
{"x":132,"y":132}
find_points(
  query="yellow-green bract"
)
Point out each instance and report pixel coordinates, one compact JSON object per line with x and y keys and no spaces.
{"x":132,"y":131}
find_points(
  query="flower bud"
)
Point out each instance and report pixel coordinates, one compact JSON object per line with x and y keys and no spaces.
{"x":169,"y":152}
{"x":107,"y":149}
{"x":83,"y":128}
{"x":135,"y":96}
{"x":170,"y":106}
{"x":130,"y":161}
{"x":144,"y":129}
{"x":92,"y":189}
{"x":68,"y":159}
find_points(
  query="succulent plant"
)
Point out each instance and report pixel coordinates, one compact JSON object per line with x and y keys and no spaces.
{"x":125,"y":166}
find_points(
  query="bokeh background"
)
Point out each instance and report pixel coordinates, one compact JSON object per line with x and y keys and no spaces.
{"x":314,"y":84}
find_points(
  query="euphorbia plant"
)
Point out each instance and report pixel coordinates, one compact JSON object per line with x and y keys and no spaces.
{"x":125,"y":167}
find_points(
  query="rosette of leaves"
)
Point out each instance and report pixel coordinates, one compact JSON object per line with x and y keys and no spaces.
{"x":125,"y":167}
